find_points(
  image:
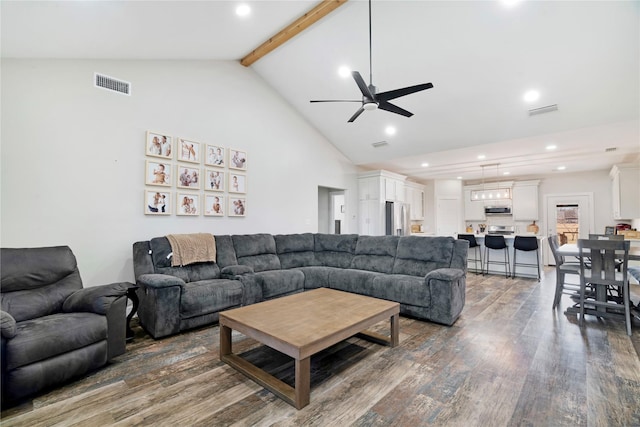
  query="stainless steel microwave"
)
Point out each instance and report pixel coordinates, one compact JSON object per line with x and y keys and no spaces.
{"x":497,"y":210}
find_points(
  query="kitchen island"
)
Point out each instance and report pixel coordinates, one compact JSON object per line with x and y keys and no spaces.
{"x":523,"y":257}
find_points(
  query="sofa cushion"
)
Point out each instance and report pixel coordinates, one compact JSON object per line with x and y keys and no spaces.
{"x":415,"y":258}
{"x":33,"y":268}
{"x":277,"y":283}
{"x":375,"y":253}
{"x":401,"y":288}
{"x":257,"y":251}
{"x":203,"y":271}
{"x":349,"y":280}
{"x":295,"y":250}
{"x":49,"y":336}
{"x":316,"y":276}
{"x":225,"y":253}
{"x":209,"y":296}
{"x":335,"y":250}
{"x":160,"y":252}
{"x":42,"y":301}
{"x":179,"y":272}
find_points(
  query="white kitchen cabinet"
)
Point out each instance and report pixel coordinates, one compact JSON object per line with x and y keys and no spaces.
{"x":625,"y":185}
{"x":394,"y":190}
{"x":374,"y":188}
{"x":415,"y":198}
{"x":369,"y":188}
{"x":370,"y":218}
{"x":473,"y":210}
{"x":525,"y":201}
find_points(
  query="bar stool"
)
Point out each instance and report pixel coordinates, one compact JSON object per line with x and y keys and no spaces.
{"x":496,"y":242}
{"x":477,"y":250}
{"x":526,"y":244}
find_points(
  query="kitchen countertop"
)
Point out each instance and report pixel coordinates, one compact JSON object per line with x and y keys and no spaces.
{"x":512,"y":236}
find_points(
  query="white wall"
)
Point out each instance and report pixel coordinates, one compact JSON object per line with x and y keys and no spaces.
{"x":596,"y":182}
{"x":73,"y":155}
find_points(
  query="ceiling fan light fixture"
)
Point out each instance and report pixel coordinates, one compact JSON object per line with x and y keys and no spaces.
{"x":369,"y":106}
{"x":243,"y":10}
{"x":344,"y":72}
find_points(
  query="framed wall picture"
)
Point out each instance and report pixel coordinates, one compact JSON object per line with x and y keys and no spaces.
{"x":188,"y":151}
{"x":157,"y":202}
{"x":157,"y":173}
{"x":187,"y":204}
{"x":237,"y":183}
{"x":159,"y":145}
{"x":214,"y":205}
{"x":187,"y":177}
{"x":237,"y":206}
{"x":215,"y":156}
{"x":237,"y":159}
{"x":214,"y":180}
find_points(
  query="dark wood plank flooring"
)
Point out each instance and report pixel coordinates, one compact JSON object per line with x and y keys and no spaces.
{"x":510,"y":360}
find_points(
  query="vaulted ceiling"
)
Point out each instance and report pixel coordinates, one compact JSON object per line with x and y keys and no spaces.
{"x":481,"y":57}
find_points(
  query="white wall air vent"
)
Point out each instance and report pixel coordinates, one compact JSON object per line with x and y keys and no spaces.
{"x":610,"y":149}
{"x":380,"y":144}
{"x":542,"y":110}
{"x":109,"y":83}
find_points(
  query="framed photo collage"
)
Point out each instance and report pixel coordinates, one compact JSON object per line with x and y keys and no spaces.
{"x":192,"y":178}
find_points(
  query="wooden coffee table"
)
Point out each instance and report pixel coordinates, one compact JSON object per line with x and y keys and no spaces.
{"x":300,"y":326}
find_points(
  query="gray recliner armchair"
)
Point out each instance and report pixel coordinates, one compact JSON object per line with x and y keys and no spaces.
{"x":53,"y":330}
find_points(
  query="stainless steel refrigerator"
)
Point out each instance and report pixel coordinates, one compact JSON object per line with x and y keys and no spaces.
{"x":397,"y":219}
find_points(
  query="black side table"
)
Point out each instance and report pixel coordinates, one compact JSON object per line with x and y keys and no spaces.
{"x":133,"y":296}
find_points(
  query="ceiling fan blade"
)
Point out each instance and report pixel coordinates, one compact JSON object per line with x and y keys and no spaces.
{"x":362,"y":85}
{"x":393,"y":94}
{"x":337,"y":100}
{"x":355,"y":116}
{"x":387,"y":106}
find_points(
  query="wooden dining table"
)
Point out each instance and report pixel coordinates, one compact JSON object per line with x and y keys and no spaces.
{"x":571,"y":249}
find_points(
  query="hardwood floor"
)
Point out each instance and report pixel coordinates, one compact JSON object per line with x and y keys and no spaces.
{"x":510,"y":360}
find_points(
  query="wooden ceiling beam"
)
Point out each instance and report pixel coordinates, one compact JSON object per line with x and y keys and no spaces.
{"x":305,"y":21}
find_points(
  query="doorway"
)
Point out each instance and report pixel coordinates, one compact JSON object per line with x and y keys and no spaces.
{"x":570,"y":216}
{"x":331,"y":210}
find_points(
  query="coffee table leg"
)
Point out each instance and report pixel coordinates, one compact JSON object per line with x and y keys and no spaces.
{"x":225,"y":340}
{"x":303,"y":383}
{"x":395,"y":331}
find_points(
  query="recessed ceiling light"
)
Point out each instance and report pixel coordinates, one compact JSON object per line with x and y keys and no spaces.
{"x":531,"y":95}
{"x":459,"y":177}
{"x":390,"y":130}
{"x":243,"y":9}
{"x":561,"y":168}
{"x":551,"y":147}
{"x":344,"y":71}
{"x":510,"y":3}
{"x":425,"y":165}
{"x":506,"y":173}
{"x":482,"y":157}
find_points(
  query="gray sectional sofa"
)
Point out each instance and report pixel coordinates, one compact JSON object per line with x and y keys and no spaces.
{"x":426,"y":275}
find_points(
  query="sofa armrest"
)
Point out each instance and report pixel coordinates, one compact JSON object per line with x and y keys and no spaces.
{"x":159,"y":303}
{"x":231,"y":271}
{"x":96,"y":299}
{"x":7,"y":325}
{"x":445,"y":274}
{"x":447,"y":287}
{"x":251,"y":287}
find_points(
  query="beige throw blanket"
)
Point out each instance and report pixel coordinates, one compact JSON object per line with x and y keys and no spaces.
{"x":191,"y":248}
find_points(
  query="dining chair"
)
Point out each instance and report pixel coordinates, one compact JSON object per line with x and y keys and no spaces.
{"x":602,"y":275}
{"x":563,"y":268}
{"x":606,"y":236}
{"x":494,"y":242}
{"x":477,"y":251}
